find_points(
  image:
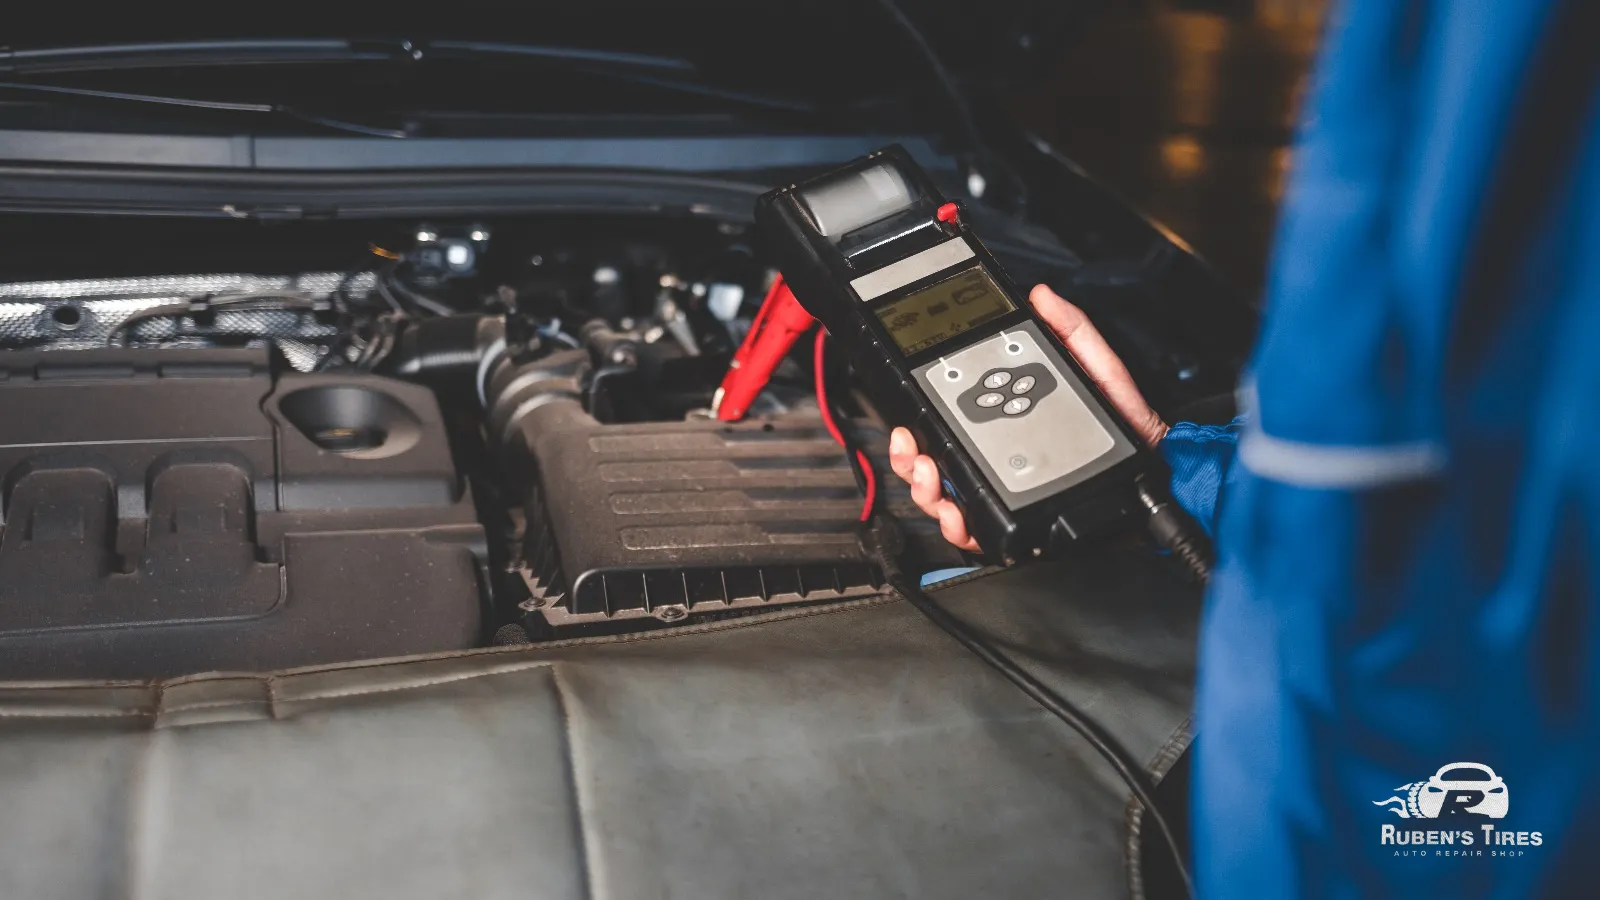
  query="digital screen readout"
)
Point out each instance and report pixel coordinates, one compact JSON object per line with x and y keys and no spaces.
{"x":943,"y":310}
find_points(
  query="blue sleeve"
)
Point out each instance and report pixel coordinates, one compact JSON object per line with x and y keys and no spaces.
{"x":1201,"y":459}
{"x":1408,"y":556}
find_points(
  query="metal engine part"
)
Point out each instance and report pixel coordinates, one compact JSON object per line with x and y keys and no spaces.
{"x":88,"y":313}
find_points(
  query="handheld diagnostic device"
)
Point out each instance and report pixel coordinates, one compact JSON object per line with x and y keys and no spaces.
{"x":945,"y":344}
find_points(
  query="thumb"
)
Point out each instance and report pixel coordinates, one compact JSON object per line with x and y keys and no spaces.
{"x":1101,"y":363}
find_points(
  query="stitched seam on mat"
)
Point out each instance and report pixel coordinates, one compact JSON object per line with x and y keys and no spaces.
{"x":878,"y":600}
{"x":276,"y":701}
{"x":1133,"y":814}
{"x":216,"y":704}
{"x":569,"y":759}
{"x":414,"y":685}
{"x":1132,"y":825}
{"x":1162,"y":761}
{"x":209,"y":678}
{"x":271,"y":687}
{"x":86,"y":714}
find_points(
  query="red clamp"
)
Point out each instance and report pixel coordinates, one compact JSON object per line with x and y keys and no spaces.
{"x":948,"y":213}
{"x":778,"y":324}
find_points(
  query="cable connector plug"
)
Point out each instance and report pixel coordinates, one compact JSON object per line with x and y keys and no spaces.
{"x":1175,"y":529}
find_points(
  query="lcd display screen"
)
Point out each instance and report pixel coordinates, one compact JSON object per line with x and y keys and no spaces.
{"x":944,"y":310}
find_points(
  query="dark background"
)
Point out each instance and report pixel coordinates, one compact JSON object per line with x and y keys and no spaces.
{"x":1186,"y":108}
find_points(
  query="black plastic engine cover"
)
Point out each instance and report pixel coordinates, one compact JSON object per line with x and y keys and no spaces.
{"x":168,"y":512}
{"x":667,"y":520}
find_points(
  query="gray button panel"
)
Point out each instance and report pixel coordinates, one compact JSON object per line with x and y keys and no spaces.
{"x":1011,"y":401}
{"x":979,"y":400}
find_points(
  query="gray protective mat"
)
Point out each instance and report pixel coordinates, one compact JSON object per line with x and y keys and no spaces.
{"x":849,"y":752}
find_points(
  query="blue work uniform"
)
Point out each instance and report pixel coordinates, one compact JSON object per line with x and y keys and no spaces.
{"x":1404,"y":626}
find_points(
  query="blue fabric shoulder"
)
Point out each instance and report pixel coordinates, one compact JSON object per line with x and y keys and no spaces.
{"x":1201,"y":459}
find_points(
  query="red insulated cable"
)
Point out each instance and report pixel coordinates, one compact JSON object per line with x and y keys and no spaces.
{"x":872,"y":486}
{"x":867,"y":475}
{"x":818,"y":350}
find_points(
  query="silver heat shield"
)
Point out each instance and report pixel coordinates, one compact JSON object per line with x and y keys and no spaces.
{"x":87,"y":313}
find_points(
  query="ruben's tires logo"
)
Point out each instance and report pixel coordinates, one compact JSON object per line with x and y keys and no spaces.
{"x":1455,"y":809}
{"x":1463,"y":788}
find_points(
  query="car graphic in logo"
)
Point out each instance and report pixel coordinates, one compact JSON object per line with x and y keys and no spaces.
{"x":1463,"y":788}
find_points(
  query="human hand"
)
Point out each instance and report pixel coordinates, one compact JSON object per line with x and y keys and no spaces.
{"x":1092,"y":352}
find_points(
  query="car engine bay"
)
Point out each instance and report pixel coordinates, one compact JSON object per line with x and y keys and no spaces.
{"x":252,"y":446}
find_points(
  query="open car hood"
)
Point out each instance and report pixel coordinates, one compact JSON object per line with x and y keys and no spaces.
{"x":994,"y":40}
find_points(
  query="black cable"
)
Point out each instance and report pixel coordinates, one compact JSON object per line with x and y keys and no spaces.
{"x":391,"y":278}
{"x":941,"y":74}
{"x":385,"y":335}
{"x":865,"y":482}
{"x":967,"y":123}
{"x":381,"y":285}
{"x":1104,"y":743}
{"x":1174,"y":529}
{"x":1099,"y":738}
{"x":346,"y":305}
{"x":854,"y":453}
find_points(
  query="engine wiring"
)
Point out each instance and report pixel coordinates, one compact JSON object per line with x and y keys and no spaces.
{"x":389,"y":281}
{"x":369,"y":335}
{"x":404,"y":304}
{"x":386,"y":332}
